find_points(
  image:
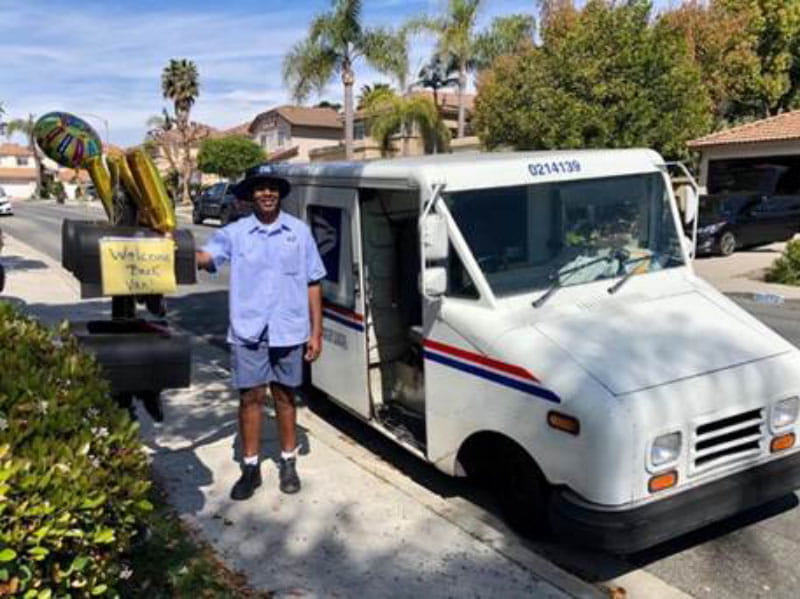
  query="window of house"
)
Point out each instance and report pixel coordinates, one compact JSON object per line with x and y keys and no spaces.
{"x":263,"y":141}
{"x":359,"y":131}
{"x":22,"y":161}
{"x":283,"y":137}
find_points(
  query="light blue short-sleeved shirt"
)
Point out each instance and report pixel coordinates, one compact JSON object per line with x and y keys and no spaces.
{"x":271,"y":267}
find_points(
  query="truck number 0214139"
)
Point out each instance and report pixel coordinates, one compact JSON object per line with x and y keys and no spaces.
{"x":554,"y":168}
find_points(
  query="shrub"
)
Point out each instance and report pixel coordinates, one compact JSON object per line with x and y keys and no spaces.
{"x":786,"y":269}
{"x":73,"y":478}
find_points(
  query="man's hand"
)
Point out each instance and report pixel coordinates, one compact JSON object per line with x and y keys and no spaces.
{"x":313,"y":348}
{"x":204,"y":261}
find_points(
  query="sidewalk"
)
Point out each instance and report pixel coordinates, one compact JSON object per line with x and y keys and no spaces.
{"x":359,"y":527}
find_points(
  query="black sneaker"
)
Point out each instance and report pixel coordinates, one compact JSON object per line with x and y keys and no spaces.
{"x":289,"y":481}
{"x":247,"y":483}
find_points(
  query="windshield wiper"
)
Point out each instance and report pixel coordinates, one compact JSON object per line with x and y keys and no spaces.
{"x":557,"y":275}
{"x":615,"y":287}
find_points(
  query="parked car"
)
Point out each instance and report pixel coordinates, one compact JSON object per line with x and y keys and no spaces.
{"x":5,"y":204}
{"x":730,"y":222}
{"x":218,"y":202}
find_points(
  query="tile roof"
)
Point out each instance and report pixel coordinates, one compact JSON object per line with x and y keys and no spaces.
{"x":28,"y":174}
{"x":241,"y":129}
{"x":784,"y":126}
{"x":14,"y":150}
{"x":304,"y":116}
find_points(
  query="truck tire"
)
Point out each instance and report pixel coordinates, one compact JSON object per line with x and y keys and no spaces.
{"x":522,"y":492}
{"x":197,"y":216}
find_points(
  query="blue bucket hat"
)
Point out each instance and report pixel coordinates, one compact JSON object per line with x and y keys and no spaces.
{"x":263,"y":173}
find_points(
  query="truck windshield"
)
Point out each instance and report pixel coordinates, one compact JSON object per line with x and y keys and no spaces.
{"x":529,"y":237}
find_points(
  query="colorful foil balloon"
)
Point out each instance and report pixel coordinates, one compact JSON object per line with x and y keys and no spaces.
{"x":155,"y":199}
{"x":67,"y":139}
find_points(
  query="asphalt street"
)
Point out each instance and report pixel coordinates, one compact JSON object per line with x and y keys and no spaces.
{"x":750,"y":555}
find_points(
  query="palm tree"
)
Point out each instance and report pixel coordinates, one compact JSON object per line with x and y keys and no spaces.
{"x":179,"y":83}
{"x":336,"y":40}
{"x":26,"y":126}
{"x":456,"y":39}
{"x":369,"y":94}
{"x":436,"y":75}
{"x":391,"y":114}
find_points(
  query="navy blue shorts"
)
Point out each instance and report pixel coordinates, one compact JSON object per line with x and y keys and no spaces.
{"x":259,"y":364}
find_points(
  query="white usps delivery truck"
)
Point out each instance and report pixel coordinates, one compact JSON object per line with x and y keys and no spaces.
{"x":533,"y":319}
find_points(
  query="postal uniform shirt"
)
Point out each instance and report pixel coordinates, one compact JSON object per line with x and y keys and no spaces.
{"x":271,"y":267}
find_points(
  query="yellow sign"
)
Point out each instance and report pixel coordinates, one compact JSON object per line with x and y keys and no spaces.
{"x":137,"y":266}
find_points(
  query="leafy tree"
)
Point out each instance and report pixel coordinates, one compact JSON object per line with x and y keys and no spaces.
{"x":390,"y":114}
{"x":610,"y":78}
{"x":337,"y":106}
{"x":179,"y":83}
{"x":436,"y":74}
{"x":25,"y":127}
{"x":228,"y":156}
{"x":506,"y":35}
{"x":336,"y":40}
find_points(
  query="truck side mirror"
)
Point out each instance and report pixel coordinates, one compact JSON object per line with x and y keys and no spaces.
{"x":434,"y":283}
{"x":434,"y":237}
{"x":692,"y":205}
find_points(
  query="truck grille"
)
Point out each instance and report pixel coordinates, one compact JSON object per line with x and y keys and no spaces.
{"x":732,"y":439}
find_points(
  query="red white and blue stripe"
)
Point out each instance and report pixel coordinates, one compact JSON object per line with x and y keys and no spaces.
{"x":488,"y":368}
{"x":343,"y":316}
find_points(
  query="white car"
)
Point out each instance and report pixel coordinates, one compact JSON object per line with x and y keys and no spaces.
{"x":5,"y":203}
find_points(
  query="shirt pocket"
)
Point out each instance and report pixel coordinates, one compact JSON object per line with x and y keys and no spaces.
{"x":289,"y":257}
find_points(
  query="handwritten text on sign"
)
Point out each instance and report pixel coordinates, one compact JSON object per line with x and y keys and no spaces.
{"x":137,"y":266}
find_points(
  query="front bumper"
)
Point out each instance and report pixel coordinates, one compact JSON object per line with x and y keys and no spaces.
{"x":6,"y":210}
{"x":632,"y":530}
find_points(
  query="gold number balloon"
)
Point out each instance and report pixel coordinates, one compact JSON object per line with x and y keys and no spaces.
{"x":155,"y":200}
{"x":102,"y":183}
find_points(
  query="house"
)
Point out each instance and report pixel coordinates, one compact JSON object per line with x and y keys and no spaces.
{"x":17,"y":170}
{"x":366,"y":148}
{"x":760,"y":157}
{"x":291,"y":133}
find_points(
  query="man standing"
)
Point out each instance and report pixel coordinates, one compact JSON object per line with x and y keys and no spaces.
{"x":275,"y":304}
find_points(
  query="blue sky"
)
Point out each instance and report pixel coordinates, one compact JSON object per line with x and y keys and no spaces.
{"x":106,"y":58}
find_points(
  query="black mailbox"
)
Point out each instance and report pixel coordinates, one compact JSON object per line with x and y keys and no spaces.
{"x":80,"y":249}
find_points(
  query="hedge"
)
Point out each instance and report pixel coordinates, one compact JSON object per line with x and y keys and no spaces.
{"x":73,"y":476}
{"x":786,"y":269}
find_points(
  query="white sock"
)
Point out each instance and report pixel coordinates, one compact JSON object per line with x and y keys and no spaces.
{"x":251,"y":460}
{"x":289,"y":455}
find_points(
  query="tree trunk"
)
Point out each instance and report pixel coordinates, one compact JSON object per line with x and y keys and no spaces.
{"x":37,"y":162}
{"x":348,"y":79}
{"x":462,"y":84}
{"x":436,"y":106}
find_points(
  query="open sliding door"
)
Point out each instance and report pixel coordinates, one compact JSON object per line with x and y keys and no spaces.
{"x":341,"y":370}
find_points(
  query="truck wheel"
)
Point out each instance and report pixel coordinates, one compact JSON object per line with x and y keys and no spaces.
{"x":522,"y":492}
{"x":727,"y":243}
{"x":197,"y":217}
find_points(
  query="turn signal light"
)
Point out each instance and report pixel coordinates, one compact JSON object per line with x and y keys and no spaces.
{"x":562,"y":422}
{"x":782,"y":442}
{"x":663,"y":481}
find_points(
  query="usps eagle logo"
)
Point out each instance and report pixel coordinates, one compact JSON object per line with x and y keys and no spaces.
{"x":325,"y":234}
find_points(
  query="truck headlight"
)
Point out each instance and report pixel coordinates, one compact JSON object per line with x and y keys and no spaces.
{"x":665,"y":449}
{"x":784,"y":413}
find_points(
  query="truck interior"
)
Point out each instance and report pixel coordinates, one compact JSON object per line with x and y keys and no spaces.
{"x":390,"y":243}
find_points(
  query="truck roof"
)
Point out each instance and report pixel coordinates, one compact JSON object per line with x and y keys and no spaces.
{"x":474,"y":170}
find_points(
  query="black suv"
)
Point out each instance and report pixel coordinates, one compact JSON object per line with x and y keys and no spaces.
{"x":218,"y":202}
{"x":728,"y":222}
